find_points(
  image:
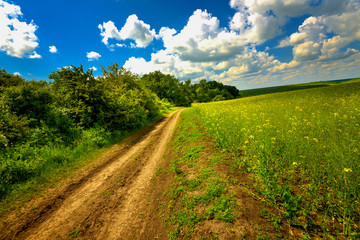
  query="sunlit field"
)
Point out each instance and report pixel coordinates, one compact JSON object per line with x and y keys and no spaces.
{"x":302,"y":148}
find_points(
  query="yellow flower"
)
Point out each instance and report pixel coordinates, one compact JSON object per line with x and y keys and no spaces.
{"x":294,"y":164}
{"x":347,"y":170}
{"x":316,"y":140}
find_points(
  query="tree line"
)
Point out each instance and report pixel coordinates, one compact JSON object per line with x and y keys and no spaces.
{"x":47,"y":124}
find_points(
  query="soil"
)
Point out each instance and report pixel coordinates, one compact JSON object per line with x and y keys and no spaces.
{"x":117,"y":197}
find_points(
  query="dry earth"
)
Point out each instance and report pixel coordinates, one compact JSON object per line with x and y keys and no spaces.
{"x":113,"y":199}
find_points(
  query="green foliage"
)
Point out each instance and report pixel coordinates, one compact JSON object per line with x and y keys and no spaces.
{"x":9,"y":80}
{"x":12,"y":127}
{"x":33,"y":100}
{"x":168,"y":87}
{"x":81,"y":95}
{"x":45,"y":126}
{"x":128,"y":103}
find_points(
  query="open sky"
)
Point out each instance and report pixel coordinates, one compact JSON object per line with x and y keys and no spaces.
{"x":245,"y":43}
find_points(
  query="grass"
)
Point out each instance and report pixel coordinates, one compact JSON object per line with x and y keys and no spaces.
{"x":198,"y":193}
{"x":302,"y":148}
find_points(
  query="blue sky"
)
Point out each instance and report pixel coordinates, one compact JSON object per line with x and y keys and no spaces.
{"x":245,"y":43}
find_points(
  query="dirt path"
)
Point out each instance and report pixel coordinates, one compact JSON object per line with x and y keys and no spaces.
{"x":115,"y":199}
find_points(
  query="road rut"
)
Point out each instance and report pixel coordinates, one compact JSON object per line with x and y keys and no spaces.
{"x":113,"y":200}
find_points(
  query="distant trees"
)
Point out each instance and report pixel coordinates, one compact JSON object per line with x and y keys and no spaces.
{"x":167,"y":87}
{"x":184,"y":93}
{"x":208,"y":91}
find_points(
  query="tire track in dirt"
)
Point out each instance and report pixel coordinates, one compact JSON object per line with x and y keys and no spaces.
{"x":108,"y":202}
{"x":128,"y":217}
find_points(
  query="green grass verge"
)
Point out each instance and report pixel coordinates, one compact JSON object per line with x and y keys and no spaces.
{"x":198,"y":192}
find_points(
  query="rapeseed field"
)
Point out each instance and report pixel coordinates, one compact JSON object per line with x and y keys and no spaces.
{"x":303,"y":149}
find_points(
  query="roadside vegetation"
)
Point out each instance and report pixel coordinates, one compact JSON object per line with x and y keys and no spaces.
{"x":208,"y":198}
{"x":47,"y":126}
{"x":302,"y":148}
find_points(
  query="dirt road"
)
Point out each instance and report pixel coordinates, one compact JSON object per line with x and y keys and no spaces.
{"x":115,"y":199}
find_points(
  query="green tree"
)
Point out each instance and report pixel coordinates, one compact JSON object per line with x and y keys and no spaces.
{"x":168,"y":87}
{"x":80,"y":95}
{"x":12,"y":127}
{"x":9,"y":80}
{"x":129,"y":103}
{"x":32,"y":100}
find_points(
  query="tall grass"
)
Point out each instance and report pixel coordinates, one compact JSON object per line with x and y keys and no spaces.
{"x":303,"y":148}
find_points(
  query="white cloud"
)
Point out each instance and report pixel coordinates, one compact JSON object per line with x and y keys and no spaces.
{"x":134,"y":29}
{"x":17,"y":74}
{"x":249,"y":63}
{"x":17,"y":38}
{"x":202,"y":40}
{"x":139,"y":66}
{"x":93,"y":56}
{"x":307,"y":51}
{"x":282,"y":66}
{"x":53,"y":49}
{"x":108,"y":30}
{"x":313,"y":41}
{"x":34,"y":55}
{"x":93,"y":68}
{"x":204,"y":49}
{"x":262,"y":20}
{"x":138,"y":31}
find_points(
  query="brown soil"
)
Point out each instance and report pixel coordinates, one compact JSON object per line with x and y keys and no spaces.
{"x":118,"y":197}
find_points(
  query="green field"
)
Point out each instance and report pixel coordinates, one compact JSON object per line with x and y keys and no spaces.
{"x":302,"y":148}
{"x":294,"y":87}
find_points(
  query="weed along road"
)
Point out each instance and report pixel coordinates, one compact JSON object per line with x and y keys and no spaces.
{"x":113,"y":199}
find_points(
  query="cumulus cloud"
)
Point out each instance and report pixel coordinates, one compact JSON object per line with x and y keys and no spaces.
{"x":251,"y":62}
{"x":133,"y":29}
{"x":204,"y":49}
{"x":53,"y":49}
{"x":34,"y":55}
{"x":202,"y":40}
{"x":93,"y":68}
{"x":17,"y":38}
{"x":262,"y":20}
{"x":200,"y":49}
{"x":166,"y":62}
{"x":325,"y":37}
{"x":93,"y":56}
{"x":109,"y":30}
